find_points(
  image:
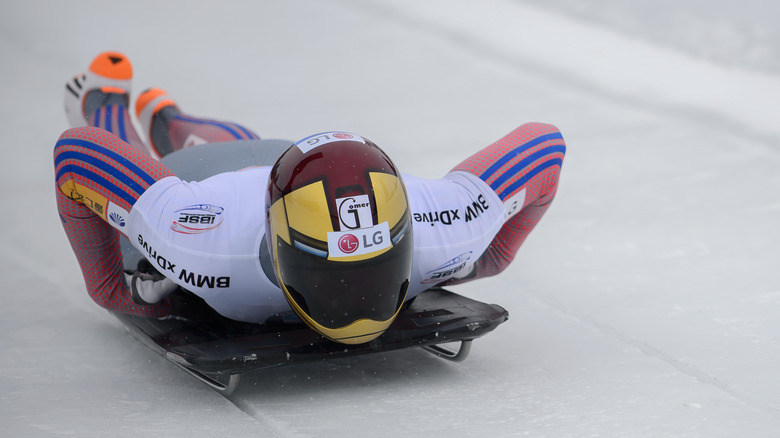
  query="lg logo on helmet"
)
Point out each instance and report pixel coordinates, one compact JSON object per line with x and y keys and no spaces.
{"x":320,"y":139}
{"x":359,"y":242}
{"x":348,"y":243}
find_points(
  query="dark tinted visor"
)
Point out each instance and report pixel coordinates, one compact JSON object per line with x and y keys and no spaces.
{"x":336,"y":294}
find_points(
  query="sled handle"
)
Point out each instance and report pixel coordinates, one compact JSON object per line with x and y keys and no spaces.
{"x":445,"y":353}
{"x":214,"y":380}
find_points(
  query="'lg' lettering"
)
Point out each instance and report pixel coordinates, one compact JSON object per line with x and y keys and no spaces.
{"x":377,"y":239}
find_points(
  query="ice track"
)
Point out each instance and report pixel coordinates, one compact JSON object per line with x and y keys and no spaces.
{"x":646,"y":304}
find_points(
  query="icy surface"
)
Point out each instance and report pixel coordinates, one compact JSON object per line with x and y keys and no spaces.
{"x":647,"y":303}
{"x":741,"y":34}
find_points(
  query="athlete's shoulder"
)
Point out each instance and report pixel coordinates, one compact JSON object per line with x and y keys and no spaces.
{"x":252,"y":179}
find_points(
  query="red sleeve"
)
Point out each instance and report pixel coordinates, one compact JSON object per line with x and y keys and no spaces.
{"x":96,"y":245}
{"x":528,"y":160}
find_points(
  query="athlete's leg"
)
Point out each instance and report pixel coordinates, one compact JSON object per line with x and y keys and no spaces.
{"x":169,"y":129}
{"x":109,"y":111}
{"x":523,"y":169}
{"x":99,"y":177}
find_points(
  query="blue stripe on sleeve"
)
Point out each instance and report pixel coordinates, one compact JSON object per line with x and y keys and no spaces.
{"x":100,"y":164}
{"x":92,"y":176}
{"x":519,"y":183}
{"x":517,"y":151}
{"x":109,"y":153}
{"x":514,"y":170}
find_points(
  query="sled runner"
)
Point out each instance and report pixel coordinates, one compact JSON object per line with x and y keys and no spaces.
{"x":218,"y":350}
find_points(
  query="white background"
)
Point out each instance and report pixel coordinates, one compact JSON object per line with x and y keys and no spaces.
{"x":647,"y":303}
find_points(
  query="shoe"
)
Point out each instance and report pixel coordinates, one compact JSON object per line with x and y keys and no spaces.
{"x":107,"y":81}
{"x":150,"y":103}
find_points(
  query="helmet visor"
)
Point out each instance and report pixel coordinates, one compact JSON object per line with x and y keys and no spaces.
{"x":335,"y":294}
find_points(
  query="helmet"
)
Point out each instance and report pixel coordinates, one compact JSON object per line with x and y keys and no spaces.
{"x":339,"y":232}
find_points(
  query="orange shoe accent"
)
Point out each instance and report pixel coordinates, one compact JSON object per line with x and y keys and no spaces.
{"x":145,"y":98}
{"x":113,"y":90}
{"x":113,"y":65}
{"x":162,"y":104}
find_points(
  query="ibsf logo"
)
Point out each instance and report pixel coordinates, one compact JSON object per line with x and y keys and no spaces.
{"x":197,"y":218}
{"x":348,"y":243}
{"x":447,"y":269}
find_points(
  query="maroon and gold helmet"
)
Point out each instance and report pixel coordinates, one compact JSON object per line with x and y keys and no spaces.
{"x":340,"y":234}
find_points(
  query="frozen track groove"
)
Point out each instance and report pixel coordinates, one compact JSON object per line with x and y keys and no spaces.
{"x":656,"y":353}
{"x":272,"y":426}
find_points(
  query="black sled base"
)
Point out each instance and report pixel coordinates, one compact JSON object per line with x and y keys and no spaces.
{"x":218,"y":350}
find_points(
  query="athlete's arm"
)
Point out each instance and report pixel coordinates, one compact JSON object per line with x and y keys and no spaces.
{"x":522,"y":168}
{"x":99,"y":177}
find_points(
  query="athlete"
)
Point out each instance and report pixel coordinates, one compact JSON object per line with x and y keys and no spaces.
{"x":331,"y":230}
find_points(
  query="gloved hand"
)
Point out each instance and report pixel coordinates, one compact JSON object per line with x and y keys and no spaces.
{"x":146,"y":289}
